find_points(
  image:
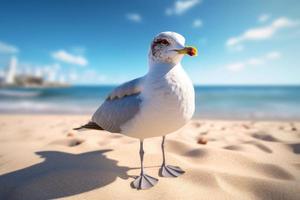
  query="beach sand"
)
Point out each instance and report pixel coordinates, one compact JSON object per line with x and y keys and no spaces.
{"x":41,"y":157}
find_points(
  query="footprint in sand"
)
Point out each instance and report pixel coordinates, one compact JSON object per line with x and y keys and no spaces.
{"x":195,"y":153}
{"x":264,"y":136}
{"x":68,"y":142}
{"x":274,"y":171}
{"x":233,"y":148}
{"x":293,"y":127}
{"x":203,"y":133}
{"x":197,"y":124}
{"x":295,"y":147}
{"x":260,"y":146}
{"x":258,"y":188}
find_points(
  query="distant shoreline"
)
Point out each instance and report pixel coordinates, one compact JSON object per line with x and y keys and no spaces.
{"x":212,"y":102}
{"x":194,"y":118}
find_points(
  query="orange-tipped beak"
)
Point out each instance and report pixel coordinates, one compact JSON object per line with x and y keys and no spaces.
{"x":191,"y":51}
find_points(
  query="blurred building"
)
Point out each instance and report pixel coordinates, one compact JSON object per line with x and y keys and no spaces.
{"x":11,"y":71}
{"x":10,"y":77}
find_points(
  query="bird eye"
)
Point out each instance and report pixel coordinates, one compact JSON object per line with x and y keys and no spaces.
{"x":165,"y":42}
{"x":162,"y":41}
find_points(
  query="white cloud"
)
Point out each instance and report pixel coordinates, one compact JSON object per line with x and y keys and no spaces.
{"x":273,"y":55}
{"x":261,"y":33}
{"x":263,"y":18}
{"x":88,"y":76}
{"x":255,"y":61}
{"x":197,"y":23}
{"x":8,"y":48}
{"x":237,"y":48}
{"x":181,"y":6}
{"x":237,"y":66}
{"x":93,"y":75}
{"x":78,"y":50}
{"x":67,"y":57}
{"x":240,"y":65}
{"x":134,"y":17}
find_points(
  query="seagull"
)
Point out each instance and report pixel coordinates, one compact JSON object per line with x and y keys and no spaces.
{"x":156,"y":104}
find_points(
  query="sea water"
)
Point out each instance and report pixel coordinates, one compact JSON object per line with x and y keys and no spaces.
{"x":212,"y":102}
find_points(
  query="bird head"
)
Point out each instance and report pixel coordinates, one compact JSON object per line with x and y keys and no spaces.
{"x":169,"y":47}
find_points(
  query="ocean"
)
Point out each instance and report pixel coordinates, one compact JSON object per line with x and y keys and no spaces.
{"x":212,"y":102}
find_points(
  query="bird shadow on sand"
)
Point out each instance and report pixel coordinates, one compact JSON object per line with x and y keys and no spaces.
{"x":61,"y":174}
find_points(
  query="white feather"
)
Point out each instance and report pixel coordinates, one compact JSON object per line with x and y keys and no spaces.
{"x":168,"y":103}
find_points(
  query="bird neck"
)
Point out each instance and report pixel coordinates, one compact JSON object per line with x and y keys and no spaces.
{"x":160,"y":68}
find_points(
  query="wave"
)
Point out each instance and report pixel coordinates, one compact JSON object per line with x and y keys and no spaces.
{"x":43,"y":107}
{"x":27,"y":107}
{"x":17,"y":93}
{"x":214,"y":103}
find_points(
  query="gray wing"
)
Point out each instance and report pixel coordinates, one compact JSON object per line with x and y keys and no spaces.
{"x":129,"y":88}
{"x":121,"y":106}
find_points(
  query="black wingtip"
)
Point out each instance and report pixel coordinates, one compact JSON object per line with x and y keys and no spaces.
{"x":90,"y":125}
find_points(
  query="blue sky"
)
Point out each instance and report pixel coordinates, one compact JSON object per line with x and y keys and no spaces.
{"x":106,"y":42}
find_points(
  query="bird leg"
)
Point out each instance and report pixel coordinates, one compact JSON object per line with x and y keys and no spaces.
{"x":168,"y":170}
{"x":144,"y":181}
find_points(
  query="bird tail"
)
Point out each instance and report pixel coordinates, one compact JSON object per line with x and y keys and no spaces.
{"x":89,"y":125}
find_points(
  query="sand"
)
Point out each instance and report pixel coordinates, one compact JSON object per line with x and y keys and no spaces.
{"x":41,"y":157}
